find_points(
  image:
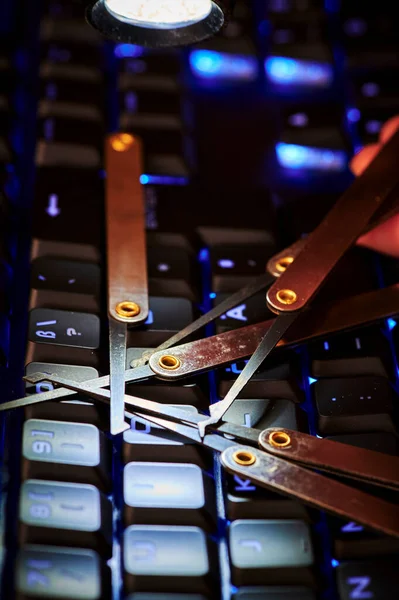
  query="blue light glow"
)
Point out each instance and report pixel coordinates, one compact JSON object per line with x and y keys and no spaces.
{"x":334,"y":563}
{"x":289,"y":71}
{"x":391,"y":323}
{"x":207,"y":64}
{"x":128,"y":51}
{"x":212,"y":295}
{"x":311,"y":380}
{"x":203,"y":255}
{"x":353,"y":115}
{"x":293,"y":156}
{"x":162,"y":180}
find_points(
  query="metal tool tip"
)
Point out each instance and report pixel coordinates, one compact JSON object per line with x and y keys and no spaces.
{"x":36,"y":377}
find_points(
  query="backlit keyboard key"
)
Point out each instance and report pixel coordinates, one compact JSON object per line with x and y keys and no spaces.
{"x":167,"y":559}
{"x":167,"y":316}
{"x":68,"y":573}
{"x":50,"y":273}
{"x":235,"y":266}
{"x":267,"y":551}
{"x":354,"y":405}
{"x":253,"y":310}
{"x":167,"y":493}
{"x":262,"y":414}
{"x":146,"y":441}
{"x":60,"y":81}
{"x":70,"y":122}
{"x":274,"y":593}
{"x":352,"y":540}
{"x":65,"y":451}
{"x":375,"y":579}
{"x":72,"y":514}
{"x":63,"y":328}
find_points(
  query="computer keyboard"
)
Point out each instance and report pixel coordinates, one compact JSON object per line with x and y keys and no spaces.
{"x":247,"y":139}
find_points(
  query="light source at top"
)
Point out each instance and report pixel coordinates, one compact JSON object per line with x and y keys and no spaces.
{"x":157,"y":23}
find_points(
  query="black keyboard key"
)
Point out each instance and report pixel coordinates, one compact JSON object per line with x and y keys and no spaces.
{"x":378,"y":442}
{"x":148,"y":94}
{"x":253,"y":310}
{"x":262,"y":414}
{"x":352,"y":540}
{"x":76,"y":373}
{"x":268,"y":551}
{"x":166,"y":559}
{"x":168,"y":493}
{"x":161,"y":596}
{"x":359,"y":352}
{"x":235,"y":266}
{"x":171,"y":272}
{"x":70,"y":123}
{"x":373,"y":579}
{"x":146,"y":441}
{"x":48,"y":273}
{"x":63,"y":328}
{"x":269,"y":382}
{"x":68,"y":573}
{"x":68,"y":205}
{"x":167,"y":316}
{"x":65,"y":451}
{"x":73,"y":514}
{"x":151,"y":65}
{"x":354,"y":405}
{"x":274,"y":593}
{"x":63,"y":154}
{"x":161,"y":133}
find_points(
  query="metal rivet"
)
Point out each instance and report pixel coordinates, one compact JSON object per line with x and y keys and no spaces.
{"x":169,"y":362}
{"x":286,"y":296}
{"x":245,"y":458}
{"x":122,"y":142}
{"x":127,"y":309}
{"x":283,"y":263}
{"x":279,"y":439}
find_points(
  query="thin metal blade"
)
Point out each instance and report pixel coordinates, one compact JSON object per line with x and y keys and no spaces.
{"x":60,"y":393}
{"x":313,"y":488}
{"x":235,"y":299}
{"x":117,"y":352}
{"x":271,"y":339}
{"x":357,"y":463}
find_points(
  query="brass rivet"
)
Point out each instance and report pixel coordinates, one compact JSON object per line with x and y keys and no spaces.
{"x":283,"y":263}
{"x":169,"y":362}
{"x":244,"y":458}
{"x":127,"y":309}
{"x":122,"y":142}
{"x":286,"y":296}
{"x":279,"y":439}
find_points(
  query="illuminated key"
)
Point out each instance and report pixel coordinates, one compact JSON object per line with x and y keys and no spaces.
{"x":52,"y":572}
{"x":73,"y":514}
{"x":66,"y":451}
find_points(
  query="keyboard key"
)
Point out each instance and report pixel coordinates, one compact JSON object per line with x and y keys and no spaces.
{"x":59,"y":82}
{"x":170,"y":272}
{"x":360,"y":352}
{"x":168,"y":493}
{"x":161,"y":133}
{"x":235,"y":266}
{"x":48,"y":273}
{"x":70,"y":123}
{"x":376,"y":579}
{"x":51,"y":572}
{"x":378,"y":442}
{"x":253,"y":310}
{"x":63,"y":328}
{"x":167,"y":559}
{"x":146,"y":441}
{"x":274,"y":593}
{"x":276,"y":381}
{"x":155,"y":596}
{"x":266,"y":551}
{"x":262,"y":414}
{"x":66,"y":452}
{"x":149,"y":66}
{"x":150,"y":94}
{"x":244,"y":500}
{"x":352,"y":540}
{"x":70,"y":513}
{"x":66,"y":201}
{"x":62,"y":154}
{"x":167,"y":316}
{"x":354,"y":405}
